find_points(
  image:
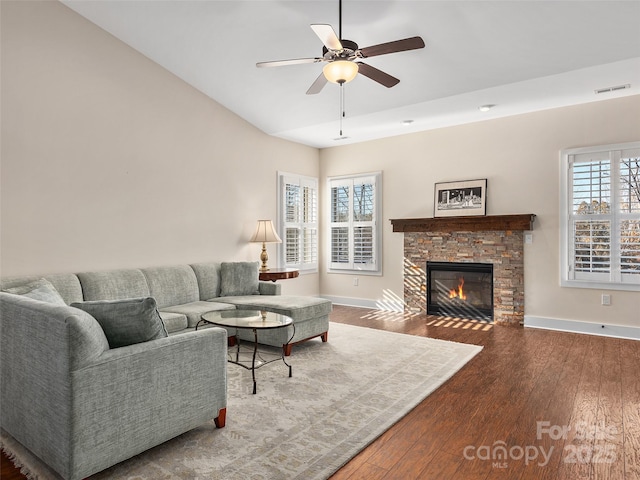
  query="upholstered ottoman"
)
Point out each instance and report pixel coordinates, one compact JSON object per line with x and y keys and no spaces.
{"x":310,"y":317}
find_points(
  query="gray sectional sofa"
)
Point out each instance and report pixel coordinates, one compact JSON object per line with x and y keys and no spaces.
{"x":81,"y":406}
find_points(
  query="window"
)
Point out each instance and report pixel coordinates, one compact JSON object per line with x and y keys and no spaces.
{"x":298,"y":221}
{"x":601,"y":217}
{"x":354,"y":215}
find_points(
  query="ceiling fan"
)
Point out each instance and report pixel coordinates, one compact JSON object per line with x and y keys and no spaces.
{"x":343,"y":57}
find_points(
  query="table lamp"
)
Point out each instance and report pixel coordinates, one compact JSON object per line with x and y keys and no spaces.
{"x":265,"y":233}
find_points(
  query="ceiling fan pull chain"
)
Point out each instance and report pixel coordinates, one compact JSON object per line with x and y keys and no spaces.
{"x":342,"y":114}
{"x":341,"y":109}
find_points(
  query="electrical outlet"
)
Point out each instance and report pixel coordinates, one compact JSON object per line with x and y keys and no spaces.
{"x":528,"y":238}
{"x":606,"y":299}
{"x":355,"y":281}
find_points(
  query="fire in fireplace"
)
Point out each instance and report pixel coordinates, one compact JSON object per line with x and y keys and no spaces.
{"x":462,"y":290}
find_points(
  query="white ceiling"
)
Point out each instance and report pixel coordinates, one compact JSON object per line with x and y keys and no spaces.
{"x":520,"y":55}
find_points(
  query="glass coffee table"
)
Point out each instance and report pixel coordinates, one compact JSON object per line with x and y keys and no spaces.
{"x":256,"y":321}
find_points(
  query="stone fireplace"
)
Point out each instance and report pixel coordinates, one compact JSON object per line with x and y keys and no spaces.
{"x":494,"y":240}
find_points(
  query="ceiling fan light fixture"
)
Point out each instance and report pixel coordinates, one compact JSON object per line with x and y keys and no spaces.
{"x":340,"y":71}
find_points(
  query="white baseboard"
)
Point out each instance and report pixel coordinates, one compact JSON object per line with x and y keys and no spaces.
{"x":386,"y":305}
{"x":588,"y":328}
{"x":573,"y":326}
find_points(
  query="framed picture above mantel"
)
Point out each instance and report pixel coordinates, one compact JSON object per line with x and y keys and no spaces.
{"x":460,"y":199}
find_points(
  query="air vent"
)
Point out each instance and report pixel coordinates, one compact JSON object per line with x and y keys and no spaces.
{"x":612,"y":89}
{"x":340,"y":138}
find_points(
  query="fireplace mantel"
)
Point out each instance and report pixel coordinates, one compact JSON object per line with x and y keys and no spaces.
{"x":465,"y":224}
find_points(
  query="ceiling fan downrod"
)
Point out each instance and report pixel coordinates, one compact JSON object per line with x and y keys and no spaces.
{"x":340,"y":20}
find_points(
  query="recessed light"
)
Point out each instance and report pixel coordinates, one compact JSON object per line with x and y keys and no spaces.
{"x":486,"y":108}
{"x":407,"y":122}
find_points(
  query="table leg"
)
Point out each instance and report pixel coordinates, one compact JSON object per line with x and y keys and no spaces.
{"x":284,"y":350}
{"x":253,"y":362}
{"x":237,"y":345}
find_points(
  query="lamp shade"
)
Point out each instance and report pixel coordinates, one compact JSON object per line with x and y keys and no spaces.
{"x":265,"y":233}
{"x":340,"y":71}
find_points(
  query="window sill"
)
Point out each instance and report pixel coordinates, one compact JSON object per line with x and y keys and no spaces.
{"x":355,"y":272}
{"x":631,"y":287}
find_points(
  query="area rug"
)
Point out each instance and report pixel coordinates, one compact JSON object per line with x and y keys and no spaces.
{"x":343,"y":395}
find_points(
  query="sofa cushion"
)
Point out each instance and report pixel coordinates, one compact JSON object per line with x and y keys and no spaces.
{"x":66,"y":284}
{"x":294,"y":306}
{"x":208,"y":275}
{"x":128,"y":321}
{"x":239,"y":278}
{"x":270,"y":288}
{"x":194,"y":310}
{"x":114,"y":285}
{"x":175,"y":285}
{"x":173,"y":322}
{"x":40,"y":289}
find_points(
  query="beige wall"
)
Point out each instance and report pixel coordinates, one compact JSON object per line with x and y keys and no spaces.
{"x":110,"y":161}
{"x":520,"y":158}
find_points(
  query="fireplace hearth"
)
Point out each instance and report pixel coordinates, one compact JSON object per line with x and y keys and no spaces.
{"x":461,"y":290}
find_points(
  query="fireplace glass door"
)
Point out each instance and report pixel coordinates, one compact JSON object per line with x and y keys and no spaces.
{"x":461,"y":290}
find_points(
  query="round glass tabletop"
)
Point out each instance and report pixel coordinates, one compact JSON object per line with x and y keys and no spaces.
{"x":258,"y":319}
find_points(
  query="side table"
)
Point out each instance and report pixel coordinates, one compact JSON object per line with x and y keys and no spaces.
{"x":276,"y":274}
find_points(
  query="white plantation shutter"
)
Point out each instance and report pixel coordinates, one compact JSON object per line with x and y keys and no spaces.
{"x":298,"y":219}
{"x":340,"y":193}
{"x":309,"y":233}
{"x":591,"y":215}
{"x":363,"y":245}
{"x":629,"y":227}
{"x":292,"y":246}
{"x":630,"y":249}
{"x":601,"y":237}
{"x":340,"y":245}
{"x":592,"y":247}
{"x":363,"y":216}
{"x":354,"y":216}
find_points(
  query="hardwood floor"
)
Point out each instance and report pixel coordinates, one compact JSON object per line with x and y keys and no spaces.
{"x":8,"y":470}
{"x":564,"y":406}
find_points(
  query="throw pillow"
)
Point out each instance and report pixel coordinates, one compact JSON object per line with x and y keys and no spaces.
{"x":42,"y":290}
{"x":238,"y":278}
{"x":125,"y":322}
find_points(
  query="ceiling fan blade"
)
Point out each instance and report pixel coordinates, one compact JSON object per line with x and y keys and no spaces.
{"x":412,"y":43}
{"x":318,"y":85}
{"x":328,"y":36}
{"x":295,"y":61}
{"x":377,"y":75}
